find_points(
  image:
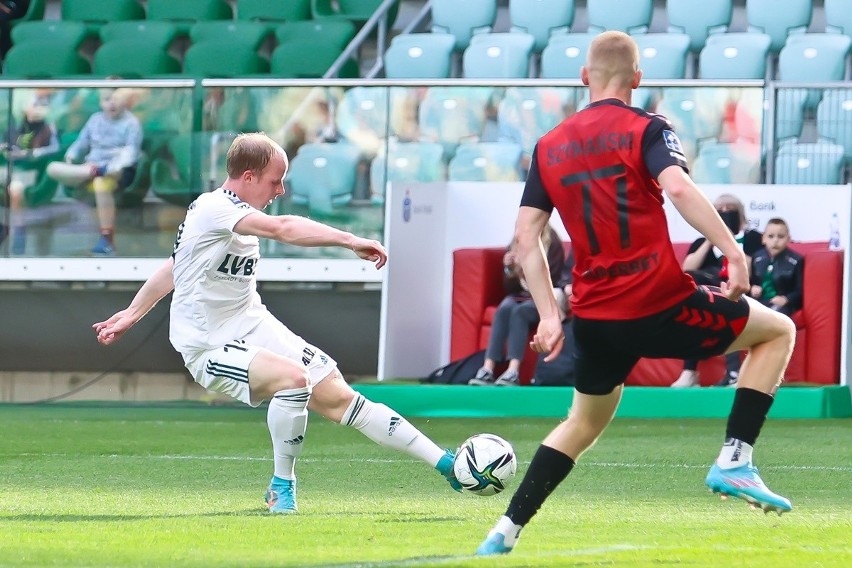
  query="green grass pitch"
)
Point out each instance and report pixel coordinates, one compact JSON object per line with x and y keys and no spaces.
{"x":180,"y":486}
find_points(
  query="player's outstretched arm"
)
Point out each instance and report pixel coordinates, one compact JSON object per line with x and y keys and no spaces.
{"x":697,"y":210}
{"x":304,"y":232}
{"x":152,"y":291}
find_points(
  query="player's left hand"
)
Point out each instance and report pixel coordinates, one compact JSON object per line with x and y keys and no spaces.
{"x":371,"y":250}
{"x":737,"y":283}
{"x":548,"y":338}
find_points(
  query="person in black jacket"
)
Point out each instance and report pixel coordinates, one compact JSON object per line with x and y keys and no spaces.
{"x":777,"y":273}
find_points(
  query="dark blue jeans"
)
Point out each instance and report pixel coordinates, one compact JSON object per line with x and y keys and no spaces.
{"x":511,"y":328}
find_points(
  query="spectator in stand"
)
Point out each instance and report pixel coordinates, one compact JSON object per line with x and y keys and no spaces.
{"x":10,"y":10}
{"x":517,"y":314}
{"x":31,"y":138}
{"x":777,"y":273}
{"x":110,"y":144}
{"x":707,"y":266}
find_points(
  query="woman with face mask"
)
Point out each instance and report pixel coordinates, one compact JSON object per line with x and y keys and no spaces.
{"x":708,"y":266}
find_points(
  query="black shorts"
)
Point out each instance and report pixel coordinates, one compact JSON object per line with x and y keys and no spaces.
{"x":703,"y":325}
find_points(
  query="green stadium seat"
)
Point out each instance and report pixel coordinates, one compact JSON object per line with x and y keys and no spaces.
{"x":524,"y":114}
{"x":498,"y":55}
{"x":184,"y":13}
{"x":134,"y":59}
{"x":323,"y":176}
{"x":726,"y":163}
{"x":154,"y":33}
{"x":778,"y":19}
{"x":814,"y":58}
{"x":486,"y":161}
{"x":308,"y":60}
{"x":477,"y":17}
{"x":834,"y":118}
{"x":336,"y":33}
{"x":734,"y":56}
{"x":172,"y":176}
{"x":662,"y":56}
{"x":838,"y":17}
{"x":220,"y":59}
{"x":809,"y":163}
{"x":96,"y":13}
{"x":631,"y":16}
{"x":356,"y":11}
{"x":28,"y":61}
{"x":453,"y":114}
{"x":57,"y":32}
{"x":408,"y":161}
{"x":35,"y":12}
{"x":419,"y":56}
{"x":274,"y":11}
{"x":236,"y":31}
{"x":541,"y":18}
{"x":699,"y":19}
{"x":564,"y":55}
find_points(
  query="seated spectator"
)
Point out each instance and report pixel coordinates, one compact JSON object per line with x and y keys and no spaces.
{"x":516,"y":314}
{"x":708,"y":267}
{"x":777,"y":273}
{"x":31,"y":138}
{"x":110,"y":144}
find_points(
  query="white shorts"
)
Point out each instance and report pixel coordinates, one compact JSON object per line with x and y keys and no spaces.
{"x":225,"y":369}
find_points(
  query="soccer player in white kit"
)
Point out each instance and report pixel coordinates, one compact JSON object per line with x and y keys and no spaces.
{"x":233,"y":345}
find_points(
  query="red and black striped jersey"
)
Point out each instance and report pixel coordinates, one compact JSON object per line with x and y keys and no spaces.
{"x":599,"y":169}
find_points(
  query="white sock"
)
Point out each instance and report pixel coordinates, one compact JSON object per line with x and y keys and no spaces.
{"x":735,"y":453}
{"x":287,"y":419}
{"x":510,"y":531}
{"x":389,"y":429}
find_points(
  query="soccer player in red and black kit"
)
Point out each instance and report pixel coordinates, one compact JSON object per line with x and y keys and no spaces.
{"x":605,"y":170}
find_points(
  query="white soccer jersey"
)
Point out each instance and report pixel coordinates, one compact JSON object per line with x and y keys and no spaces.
{"x":215,"y":298}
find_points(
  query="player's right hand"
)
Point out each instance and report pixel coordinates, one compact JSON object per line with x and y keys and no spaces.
{"x":549,"y":338}
{"x":737,"y":283}
{"x":113,"y":329}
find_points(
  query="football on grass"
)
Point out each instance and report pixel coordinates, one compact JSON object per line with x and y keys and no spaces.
{"x":484,"y":464}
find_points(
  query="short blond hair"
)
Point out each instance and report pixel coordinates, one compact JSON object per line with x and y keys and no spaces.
{"x":612,"y":56}
{"x":251,"y":151}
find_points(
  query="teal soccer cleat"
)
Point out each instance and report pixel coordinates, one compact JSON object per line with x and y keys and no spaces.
{"x":281,"y":496}
{"x":445,"y":468}
{"x":744,"y":482}
{"x":494,"y":544}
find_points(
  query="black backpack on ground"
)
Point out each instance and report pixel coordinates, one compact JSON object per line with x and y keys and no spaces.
{"x":457,"y":372}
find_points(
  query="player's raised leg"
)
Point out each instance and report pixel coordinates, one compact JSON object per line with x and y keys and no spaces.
{"x":287,"y":386}
{"x":769,"y":336}
{"x":552,"y":462}
{"x":337,"y":401}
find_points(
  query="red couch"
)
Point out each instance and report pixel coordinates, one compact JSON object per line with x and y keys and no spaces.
{"x":478,"y":288}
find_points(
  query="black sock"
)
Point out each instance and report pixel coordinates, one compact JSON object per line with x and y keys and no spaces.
{"x":547,"y":470}
{"x":748,"y":415}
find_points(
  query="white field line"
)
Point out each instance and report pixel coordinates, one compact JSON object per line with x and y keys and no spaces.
{"x":376,"y":460}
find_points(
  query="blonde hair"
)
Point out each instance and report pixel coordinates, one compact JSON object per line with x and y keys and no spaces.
{"x":612,"y":57}
{"x":251,"y":152}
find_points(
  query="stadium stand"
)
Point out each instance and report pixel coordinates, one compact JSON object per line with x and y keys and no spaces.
{"x":171,"y":179}
{"x":217,"y":59}
{"x":419,"y":56}
{"x":724,"y":162}
{"x":238,"y":31}
{"x":187,"y":12}
{"x":27,"y":60}
{"x":486,"y":161}
{"x":699,"y":19}
{"x":355,"y":11}
{"x":308,"y":60}
{"x":778,"y":19}
{"x":408,"y":162}
{"x":155,"y":33}
{"x":525,"y":114}
{"x":451,"y":115}
{"x":631,"y":16}
{"x":498,"y":55}
{"x":96,"y":13}
{"x":809,"y":163}
{"x":336,"y":33}
{"x":274,"y":12}
{"x":564,"y":55}
{"x":663,"y":56}
{"x":322,"y":176}
{"x":134,"y":59}
{"x":541,"y":18}
{"x":477,"y":17}
{"x":838,"y":17}
{"x":834,"y":119}
{"x":55,"y":32}
{"x":734,"y":56}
